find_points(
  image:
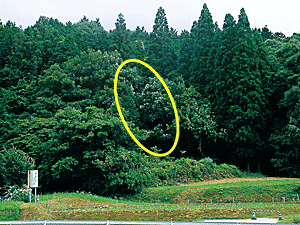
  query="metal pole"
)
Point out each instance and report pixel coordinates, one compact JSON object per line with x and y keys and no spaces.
{"x":28,"y":177}
{"x":34,"y":195}
{"x":28,"y":184}
{"x":30,"y":195}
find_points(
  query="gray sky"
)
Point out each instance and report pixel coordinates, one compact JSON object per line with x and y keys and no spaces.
{"x":280,"y":16}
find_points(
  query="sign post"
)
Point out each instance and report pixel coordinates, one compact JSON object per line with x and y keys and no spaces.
{"x":29,"y":186}
{"x":33,"y":182}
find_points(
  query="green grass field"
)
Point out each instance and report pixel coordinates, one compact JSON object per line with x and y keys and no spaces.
{"x":197,"y":201}
{"x":10,"y":210}
{"x":224,"y":191}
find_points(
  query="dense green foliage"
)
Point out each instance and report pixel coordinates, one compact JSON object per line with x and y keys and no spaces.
{"x":236,"y":90}
{"x":14,"y":166}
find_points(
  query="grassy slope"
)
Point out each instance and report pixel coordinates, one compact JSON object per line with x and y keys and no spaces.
{"x":223,"y":191}
{"x":10,"y":210}
{"x":77,"y":206}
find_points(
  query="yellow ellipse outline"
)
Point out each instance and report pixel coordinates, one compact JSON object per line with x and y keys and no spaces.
{"x":122,"y":117}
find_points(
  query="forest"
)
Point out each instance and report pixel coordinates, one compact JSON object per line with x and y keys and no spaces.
{"x":236,"y":89}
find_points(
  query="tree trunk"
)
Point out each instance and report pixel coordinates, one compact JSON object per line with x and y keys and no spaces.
{"x":248,"y":167}
{"x":234,"y":162}
{"x":200,"y":149}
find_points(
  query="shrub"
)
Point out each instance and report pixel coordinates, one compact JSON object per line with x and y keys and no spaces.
{"x":17,"y":193}
{"x":14,"y":165}
{"x":206,"y":160}
{"x":129,"y":172}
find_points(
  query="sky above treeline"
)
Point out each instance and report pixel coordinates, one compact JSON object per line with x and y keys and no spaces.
{"x":279,"y":16}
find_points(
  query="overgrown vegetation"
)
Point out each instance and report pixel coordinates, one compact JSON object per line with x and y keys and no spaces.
{"x":16,"y":193}
{"x":236,"y":90}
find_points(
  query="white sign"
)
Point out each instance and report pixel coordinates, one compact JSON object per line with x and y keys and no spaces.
{"x":33,"y":178}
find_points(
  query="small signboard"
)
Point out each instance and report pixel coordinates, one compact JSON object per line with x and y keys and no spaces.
{"x":33,"y":178}
{"x":32,"y":182}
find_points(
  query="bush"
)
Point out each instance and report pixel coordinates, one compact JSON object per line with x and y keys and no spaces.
{"x":186,"y":170}
{"x":14,"y":165}
{"x":129,"y":172}
{"x":17,"y":193}
{"x":206,"y":160}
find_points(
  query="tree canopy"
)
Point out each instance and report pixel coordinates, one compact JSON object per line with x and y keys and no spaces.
{"x":236,"y":90}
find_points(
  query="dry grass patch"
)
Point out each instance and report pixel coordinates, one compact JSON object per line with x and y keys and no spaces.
{"x":234,"y":180}
{"x":151,"y":215}
{"x":30,"y":211}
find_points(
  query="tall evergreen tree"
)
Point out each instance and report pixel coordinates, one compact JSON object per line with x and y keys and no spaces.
{"x":285,"y":106}
{"x":138,"y":44}
{"x":237,"y":90}
{"x":204,"y":32}
{"x":266,"y":33}
{"x":88,"y":34}
{"x":184,"y":59}
{"x":162,"y":53}
{"x":243,"y":24}
{"x":120,"y":37}
{"x":160,"y":27}
{"x":286,"y":140}
{"x":187,"y":41}
{"x":8,"y":32}
{"x":36,"y":49}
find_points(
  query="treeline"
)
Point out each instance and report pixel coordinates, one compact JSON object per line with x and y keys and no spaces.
{"x":236,"y":90}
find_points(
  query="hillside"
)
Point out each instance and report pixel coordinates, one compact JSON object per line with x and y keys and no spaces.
{"x":236,"y":90}
{"x":231,"y":190}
